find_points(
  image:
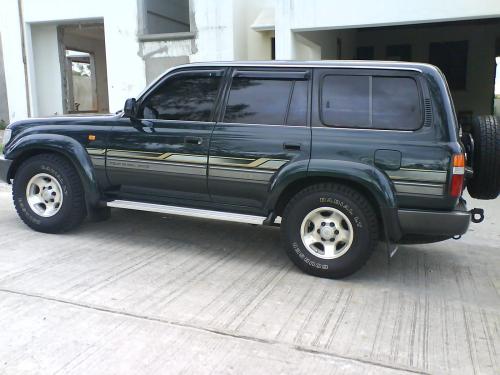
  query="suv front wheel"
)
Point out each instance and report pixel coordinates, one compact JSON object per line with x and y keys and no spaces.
{"x":48,"y":194}
{"x":329,"y":230}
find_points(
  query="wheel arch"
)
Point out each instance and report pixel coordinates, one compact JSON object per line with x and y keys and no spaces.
{"x":32,"y":145}
{"x":368,"y":181}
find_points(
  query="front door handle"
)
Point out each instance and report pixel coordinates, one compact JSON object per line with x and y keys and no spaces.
{"x":292,"y":146}
{"x":193,"y":140}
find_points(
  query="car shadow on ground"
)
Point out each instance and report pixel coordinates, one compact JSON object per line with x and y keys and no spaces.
{"x":413,"y":267}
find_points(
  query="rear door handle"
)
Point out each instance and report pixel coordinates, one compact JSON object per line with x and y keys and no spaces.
{"x":292,"y":146}
{"x":193,"y":140}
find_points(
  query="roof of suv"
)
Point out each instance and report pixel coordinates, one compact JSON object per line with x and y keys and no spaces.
{"x":367,"y":64}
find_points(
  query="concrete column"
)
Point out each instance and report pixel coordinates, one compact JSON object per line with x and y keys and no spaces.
{"x":213,"y":25}
{"x":15,"y":78}
{"x":284,"y":36}
{"x":125,"y":67}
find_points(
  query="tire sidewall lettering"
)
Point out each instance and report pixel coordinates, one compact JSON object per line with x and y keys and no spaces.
{"x":344,"y":207}
{"x":306,"y":259}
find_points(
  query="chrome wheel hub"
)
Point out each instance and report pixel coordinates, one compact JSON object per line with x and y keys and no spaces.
{"x":44,"y":195}
{"x":327,"y":233}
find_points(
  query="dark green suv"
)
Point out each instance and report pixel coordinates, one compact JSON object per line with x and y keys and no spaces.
{"x":340,"y":154}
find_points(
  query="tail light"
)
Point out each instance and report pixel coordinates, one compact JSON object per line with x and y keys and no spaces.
{"x":457,"y":177}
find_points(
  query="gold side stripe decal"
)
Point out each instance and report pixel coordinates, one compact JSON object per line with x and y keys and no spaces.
{"x":261,"y":163}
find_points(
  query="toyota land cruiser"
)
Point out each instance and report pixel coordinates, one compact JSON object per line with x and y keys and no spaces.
{"x":341,"y":154}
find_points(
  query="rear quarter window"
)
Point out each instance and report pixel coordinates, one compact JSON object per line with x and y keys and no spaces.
{"x":371,"y":102}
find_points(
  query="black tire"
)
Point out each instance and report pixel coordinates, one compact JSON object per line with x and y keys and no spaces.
{"x":344,"y":199}
{"x":72,"y":210}
{"x":485,"y":184}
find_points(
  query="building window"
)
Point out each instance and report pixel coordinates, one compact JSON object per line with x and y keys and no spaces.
{"x":398,"y":52}
{"x":273,"y":48}
{"x":451,"y":58}
{"x":165,"y":16}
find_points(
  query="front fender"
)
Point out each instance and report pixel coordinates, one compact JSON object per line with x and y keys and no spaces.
{"x":66,"y":146}
{"x":365,"y":176}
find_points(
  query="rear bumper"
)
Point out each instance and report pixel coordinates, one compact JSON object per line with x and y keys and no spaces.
{"x":4,"y":168}
{"x":436,"y":223}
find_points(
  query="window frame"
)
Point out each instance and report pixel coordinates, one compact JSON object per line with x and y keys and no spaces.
{"x":371,"y":74}
{"x":217,"y":72}
{"x":268,"y":73}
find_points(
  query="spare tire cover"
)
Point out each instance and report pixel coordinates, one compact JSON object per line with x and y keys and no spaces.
{"x":485,"y":184}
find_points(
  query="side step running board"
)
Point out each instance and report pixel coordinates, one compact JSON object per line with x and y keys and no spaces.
{"x":185,"y":211}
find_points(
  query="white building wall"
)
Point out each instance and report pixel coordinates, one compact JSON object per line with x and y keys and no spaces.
{"x":325,"y":14}
{"x":125,"y":67}
{"x":298,"y":15}
{"x":47,"y":98}
{"x":13,"y":60}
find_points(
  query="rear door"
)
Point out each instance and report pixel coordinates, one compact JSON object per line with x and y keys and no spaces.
{"x":263,"y":127}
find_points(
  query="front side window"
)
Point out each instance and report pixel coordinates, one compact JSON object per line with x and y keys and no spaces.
{"x":183,"y":97}
{"x":370,"y":102}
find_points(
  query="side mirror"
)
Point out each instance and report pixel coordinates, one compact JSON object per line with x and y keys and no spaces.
{"x":130,"y":108}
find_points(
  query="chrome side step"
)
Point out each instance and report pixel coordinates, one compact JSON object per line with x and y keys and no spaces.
{"x":185,"y":211}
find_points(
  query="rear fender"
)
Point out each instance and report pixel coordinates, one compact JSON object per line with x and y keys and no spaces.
{"x":366,"y":178}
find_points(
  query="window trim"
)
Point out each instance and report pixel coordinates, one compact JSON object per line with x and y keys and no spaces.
{"x":270,"y":74}
{"x":189,"y":72}
{"x":370,"y":76}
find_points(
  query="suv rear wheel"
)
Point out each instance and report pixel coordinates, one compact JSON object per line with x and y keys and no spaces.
{"x":329,"y":230}
{"x":48,"y":194}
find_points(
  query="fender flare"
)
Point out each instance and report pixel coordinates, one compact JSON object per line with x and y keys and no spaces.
{"x":367,"y":177}
{"x":66,"y":146}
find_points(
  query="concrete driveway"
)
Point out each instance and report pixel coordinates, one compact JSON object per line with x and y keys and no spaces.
{"x":145,"y":293}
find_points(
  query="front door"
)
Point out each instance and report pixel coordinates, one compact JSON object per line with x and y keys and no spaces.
{"x":163,"y":153}
{"x":263,"y":129}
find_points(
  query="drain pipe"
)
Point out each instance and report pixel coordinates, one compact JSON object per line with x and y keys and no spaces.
{"x":23,"y":49}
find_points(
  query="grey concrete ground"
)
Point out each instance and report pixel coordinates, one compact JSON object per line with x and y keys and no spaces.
{"x":144,"y":293}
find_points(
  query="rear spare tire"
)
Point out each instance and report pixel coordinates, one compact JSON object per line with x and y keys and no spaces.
{"x":485,"y":158}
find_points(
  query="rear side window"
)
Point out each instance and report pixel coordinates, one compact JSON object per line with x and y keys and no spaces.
{"x":184,"y":98}
{"x":371,"y":102}
{"x":396,"y":103}
{"x":258,"y":101}
{"x":267,"y":101}
{"x":345,"y":101}
{"x":297,"y":114}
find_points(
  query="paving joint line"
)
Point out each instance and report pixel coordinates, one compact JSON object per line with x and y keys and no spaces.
{"x":213,"y":331}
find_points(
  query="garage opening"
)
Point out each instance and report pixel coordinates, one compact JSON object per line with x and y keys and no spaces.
{"x":83,"y":54}
{"x":466,"y":52}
